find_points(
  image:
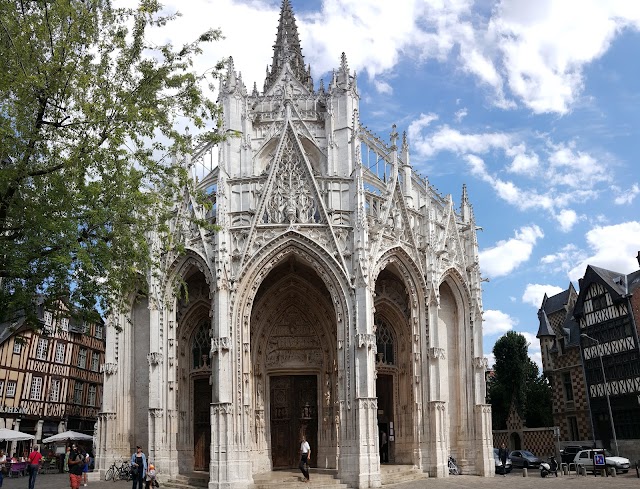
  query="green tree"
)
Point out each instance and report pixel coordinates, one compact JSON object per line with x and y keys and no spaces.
{"x":516,"y":380}
{"x":85,"y":101}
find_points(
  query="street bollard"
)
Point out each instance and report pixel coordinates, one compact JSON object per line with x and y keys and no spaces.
{"x":612,"y":472}
{"x":583,"y":470}
{"x":524,"y":472}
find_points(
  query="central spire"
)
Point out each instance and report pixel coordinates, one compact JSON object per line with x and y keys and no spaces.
{"x":287,"y":50}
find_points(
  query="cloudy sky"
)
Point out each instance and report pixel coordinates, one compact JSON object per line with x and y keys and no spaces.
{"x":532,"y":105}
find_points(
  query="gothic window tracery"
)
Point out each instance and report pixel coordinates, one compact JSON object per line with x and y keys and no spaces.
{"x":200,"y":346}
{"x":292,"y":198}
{"x":385,"y":343}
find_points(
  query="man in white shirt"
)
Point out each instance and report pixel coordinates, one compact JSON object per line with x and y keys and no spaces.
{"x":305,"y":456}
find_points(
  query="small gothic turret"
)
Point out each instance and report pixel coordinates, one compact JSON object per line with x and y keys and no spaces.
{"x":287,"y":50}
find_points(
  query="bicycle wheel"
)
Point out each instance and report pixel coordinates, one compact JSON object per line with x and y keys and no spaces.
{"x":109,"y":475}
{"x":116,"y":475}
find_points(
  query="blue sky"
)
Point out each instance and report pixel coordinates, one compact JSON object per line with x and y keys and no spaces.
{"x":532,"y":105}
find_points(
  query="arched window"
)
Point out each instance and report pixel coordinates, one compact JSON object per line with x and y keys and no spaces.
{"x":384,"y":343}
{"x":200,"y":346}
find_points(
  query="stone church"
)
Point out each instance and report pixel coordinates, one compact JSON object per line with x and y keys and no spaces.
{"x":340,"y":299}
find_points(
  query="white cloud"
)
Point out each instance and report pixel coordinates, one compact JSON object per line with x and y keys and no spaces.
{"x":491,"y":359}
{"x":566,"y":218}
{"x":534,"y":348}
{"x":494,"y":322}
{"x":526,"y":164}
{"x":611,"y":247}
{"x":460,"y":114}
{"x":507,"y":255}
{"x":383,"y":87}
{"x":545,"y":45}
{"x":418,"y":125}
{"x":534,"y":293}
{"x":626,"y":196}
{"x":533,"y":52}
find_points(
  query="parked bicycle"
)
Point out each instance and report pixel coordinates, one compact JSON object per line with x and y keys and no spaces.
{"x":453,"y":468}
{"x":119,"y":472}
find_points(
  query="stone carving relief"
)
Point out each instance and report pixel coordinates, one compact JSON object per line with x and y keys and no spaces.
{"x":109,"y":368}
{"x":292,"y":198}
{"x":480,"y":363}
{"x":220,"y":344}
{"x":437,"y":353}
{"x":154,"y":358}
{"x":287,"y":348}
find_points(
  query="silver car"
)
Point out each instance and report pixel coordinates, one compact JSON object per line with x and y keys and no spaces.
{"x":525,"y":459}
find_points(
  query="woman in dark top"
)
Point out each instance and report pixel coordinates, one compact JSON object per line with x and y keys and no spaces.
{"x":138,"y":468}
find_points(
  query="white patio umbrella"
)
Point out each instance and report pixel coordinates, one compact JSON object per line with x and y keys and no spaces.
{"x":13,"y":435}
{"x":67,"y":435}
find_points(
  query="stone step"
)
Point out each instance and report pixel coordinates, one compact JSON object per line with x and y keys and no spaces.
{"x":289,"y":479}
{"x":292,"y":479}
{"x":395,"y":474}
{"x":196,"y":480}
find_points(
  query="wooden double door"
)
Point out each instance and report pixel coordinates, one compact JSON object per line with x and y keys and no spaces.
{"x":294,"y":411}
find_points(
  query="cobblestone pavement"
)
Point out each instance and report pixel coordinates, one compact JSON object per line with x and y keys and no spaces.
{"x":512,"y":481}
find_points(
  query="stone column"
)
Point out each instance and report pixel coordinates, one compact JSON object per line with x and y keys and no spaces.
{"x":230,"y":465}
{"x":439,"y":446}
{"x":485,"y":465}
{"x":359,"y":463}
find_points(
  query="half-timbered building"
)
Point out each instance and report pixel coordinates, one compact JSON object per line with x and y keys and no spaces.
{"x":340,"y":299}
{"x":608,"y":310}
{"x":50,"y":374}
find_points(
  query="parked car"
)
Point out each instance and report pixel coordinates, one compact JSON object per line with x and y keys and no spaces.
{"x":585,"y":457}
{"x":568,"y":453}
{"x":499,"y":468}
{"x":524,"y":458}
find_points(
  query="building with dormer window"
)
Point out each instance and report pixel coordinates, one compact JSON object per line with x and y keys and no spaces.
{"x":608,"y":310}
{"x":44,"y":386}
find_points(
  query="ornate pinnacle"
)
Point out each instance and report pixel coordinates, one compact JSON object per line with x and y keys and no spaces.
{"x":344,"y":67}
{"x":287,"y":49}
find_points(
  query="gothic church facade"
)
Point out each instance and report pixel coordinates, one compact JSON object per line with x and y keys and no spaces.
{"x":341,"y":298}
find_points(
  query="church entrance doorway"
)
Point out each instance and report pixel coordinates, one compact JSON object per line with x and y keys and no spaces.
{"x":294,"y":411}
{"x":384,"y":390}
{"x":201,"y":424}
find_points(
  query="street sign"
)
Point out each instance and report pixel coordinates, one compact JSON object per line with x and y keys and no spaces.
{"x":598,"y":460}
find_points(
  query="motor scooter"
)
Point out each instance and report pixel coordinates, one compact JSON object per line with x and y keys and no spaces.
{"x":548,"y":468}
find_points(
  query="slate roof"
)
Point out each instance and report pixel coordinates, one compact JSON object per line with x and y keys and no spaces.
{"x":550,"y":305}
{"x":619,"y":285}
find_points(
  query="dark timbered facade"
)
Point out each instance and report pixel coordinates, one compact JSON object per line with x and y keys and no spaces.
{"x":50,"y":378}
{"x":607,"y":311}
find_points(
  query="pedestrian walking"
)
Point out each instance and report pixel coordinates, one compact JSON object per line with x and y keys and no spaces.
{"x":35,"y":460}
{"x":305,"y":457}
{"x":75,"y":463}
{"x":502,"y":455}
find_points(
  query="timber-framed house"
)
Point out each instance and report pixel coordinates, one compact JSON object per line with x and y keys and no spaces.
{"x":50,"y":373}
{"x":607,"y":310}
